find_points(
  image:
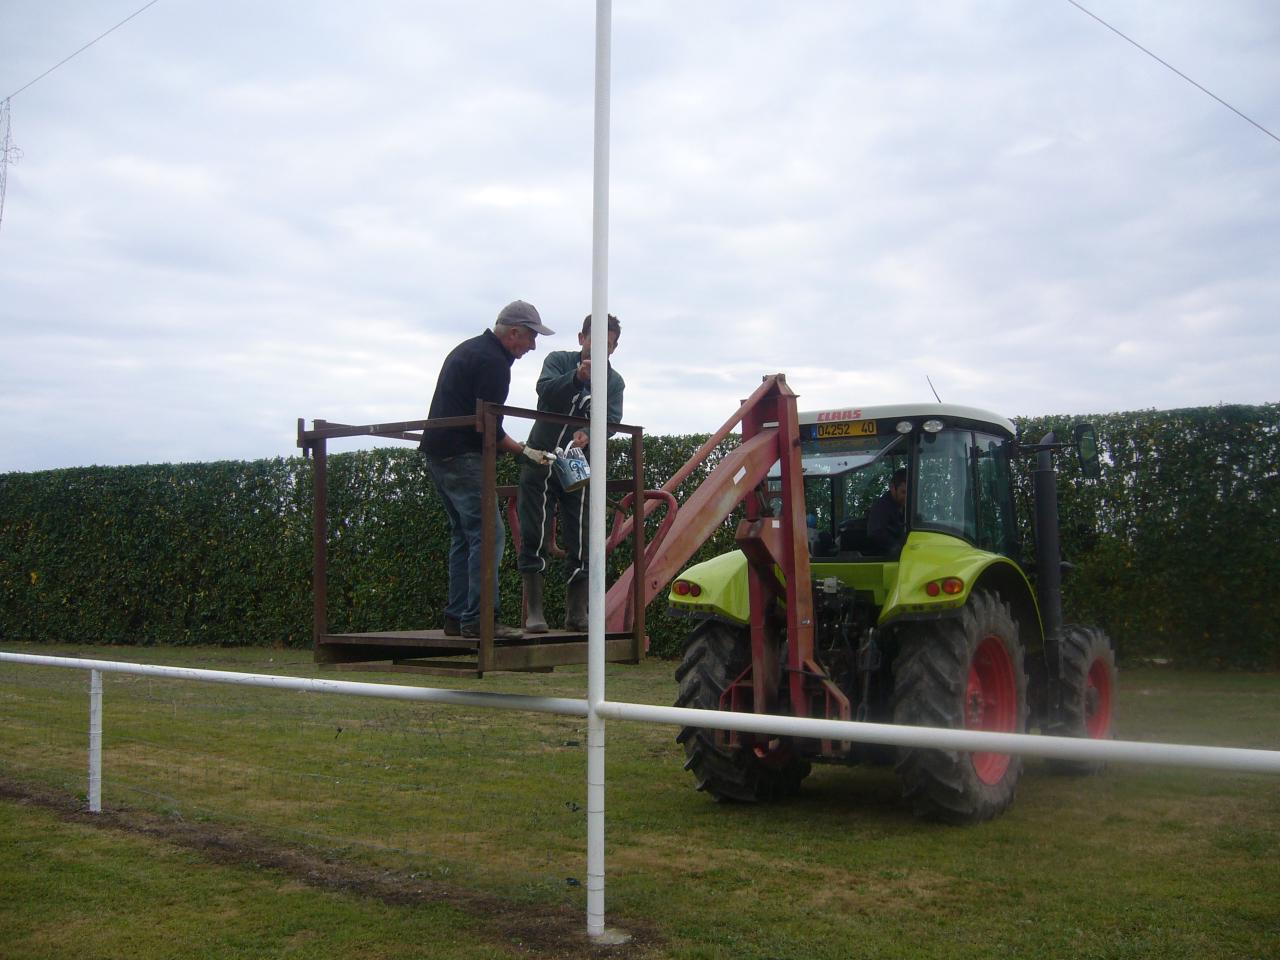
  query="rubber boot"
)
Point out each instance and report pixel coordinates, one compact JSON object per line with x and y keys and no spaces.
{"x":575,"y":606}
{"x":534,"y":619}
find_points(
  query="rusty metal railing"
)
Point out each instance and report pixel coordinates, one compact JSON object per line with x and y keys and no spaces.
{"x":429,"y":650}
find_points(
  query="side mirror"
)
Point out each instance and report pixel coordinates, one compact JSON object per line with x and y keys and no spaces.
{"x":1085,"y":440}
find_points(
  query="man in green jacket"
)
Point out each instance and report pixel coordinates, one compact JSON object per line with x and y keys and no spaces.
{"x":564,"y":387}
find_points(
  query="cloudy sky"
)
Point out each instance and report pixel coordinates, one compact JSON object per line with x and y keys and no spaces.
{"x":230,"y":215}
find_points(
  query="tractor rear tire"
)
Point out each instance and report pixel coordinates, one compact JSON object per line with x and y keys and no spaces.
{"x":1088,"y":686}
{"x":715,"y":655}
{"x":964,"y":673}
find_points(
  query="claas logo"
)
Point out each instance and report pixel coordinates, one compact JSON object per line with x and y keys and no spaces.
{"x":828,"y":415}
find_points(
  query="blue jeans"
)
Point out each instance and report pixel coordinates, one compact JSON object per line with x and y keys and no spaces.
{"x":459,"y":481}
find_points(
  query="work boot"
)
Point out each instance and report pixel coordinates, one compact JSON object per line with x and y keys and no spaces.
{"x":575,"y":606}
{"x":452,"y":626}
{"x":534,"y":619}
{"x":500,"y":631}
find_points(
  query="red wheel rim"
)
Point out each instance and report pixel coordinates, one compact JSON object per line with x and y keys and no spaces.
{"x":1097,"y":700}
{"x":991,"y":703}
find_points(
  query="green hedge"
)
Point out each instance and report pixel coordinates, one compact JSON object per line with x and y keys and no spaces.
{"x":1177,"y":546}
{"x":184,"y":553}
{"x":1173,"y":548}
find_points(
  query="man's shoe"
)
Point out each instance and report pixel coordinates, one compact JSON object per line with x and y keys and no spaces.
{"x":500,"y":631}
{"x":452,"y":626}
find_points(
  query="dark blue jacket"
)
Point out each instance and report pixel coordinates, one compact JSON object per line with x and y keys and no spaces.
{"x":476,"y":369}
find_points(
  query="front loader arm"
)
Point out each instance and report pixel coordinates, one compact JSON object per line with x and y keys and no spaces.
{"x":737,"y":475}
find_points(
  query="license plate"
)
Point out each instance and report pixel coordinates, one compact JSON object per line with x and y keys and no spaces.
{"x":846,"y":428}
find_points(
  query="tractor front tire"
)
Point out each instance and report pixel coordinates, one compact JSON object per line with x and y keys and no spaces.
{"x":1087,"y":693}
{"x":715,"y":655}
{"x":964,"y":673}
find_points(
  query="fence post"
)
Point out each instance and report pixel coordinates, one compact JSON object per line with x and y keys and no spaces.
{"x":95,"y":741}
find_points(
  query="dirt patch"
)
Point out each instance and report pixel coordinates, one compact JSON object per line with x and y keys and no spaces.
{"x":536,"y":931}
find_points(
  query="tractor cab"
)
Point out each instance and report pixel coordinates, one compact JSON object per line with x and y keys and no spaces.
{"x":955,"y":460}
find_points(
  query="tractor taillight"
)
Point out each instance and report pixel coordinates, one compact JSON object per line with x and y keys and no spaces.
{"x":683,"y":588}
{"x":932,"y":588}
{"x":948,"y":585}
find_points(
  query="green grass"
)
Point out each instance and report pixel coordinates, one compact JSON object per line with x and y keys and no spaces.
{"x":74,"y":890}
{"x":254,"y":823}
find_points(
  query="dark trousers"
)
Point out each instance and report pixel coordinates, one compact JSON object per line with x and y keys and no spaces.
{"x":541,"y":500}
{"x":459,"y":481}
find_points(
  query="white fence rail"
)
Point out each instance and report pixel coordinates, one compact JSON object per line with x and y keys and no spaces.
{"x":1058,"y":748}
{"x":1062,"y":748}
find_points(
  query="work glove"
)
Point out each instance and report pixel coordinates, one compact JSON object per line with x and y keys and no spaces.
{"x":540,"y":457}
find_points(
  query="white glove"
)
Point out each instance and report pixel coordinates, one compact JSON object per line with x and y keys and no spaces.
{"x":540,"y":457}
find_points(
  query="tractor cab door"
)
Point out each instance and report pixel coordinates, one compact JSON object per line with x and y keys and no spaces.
{"x":963,"y":487}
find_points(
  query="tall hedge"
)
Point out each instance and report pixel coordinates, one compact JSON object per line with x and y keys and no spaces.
{"x":1177,"y":546}
{"x":182,"y":553}
{"x":1172,"y":550}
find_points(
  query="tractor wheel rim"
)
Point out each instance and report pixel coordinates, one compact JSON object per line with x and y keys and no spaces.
{"x":991,"y":703}
{"x":1097,"y":700}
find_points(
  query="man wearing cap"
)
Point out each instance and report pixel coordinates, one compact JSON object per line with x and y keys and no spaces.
{"x":476,"y":369}
{"x":564,"y":387}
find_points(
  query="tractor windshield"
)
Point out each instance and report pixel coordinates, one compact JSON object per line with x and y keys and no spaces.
{"x":827,"y":448}
{"x":847,"y":466}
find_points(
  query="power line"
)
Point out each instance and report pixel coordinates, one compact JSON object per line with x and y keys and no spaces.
{"x":1175,"y":70}
{"x":9,"y":152}
{"x":82,"y":49}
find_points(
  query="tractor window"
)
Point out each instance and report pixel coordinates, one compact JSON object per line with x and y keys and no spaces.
{"x":944,"y":495}
{"x":862,"y":488}
{"x":997,"y":525}
{"x":819,"y":502}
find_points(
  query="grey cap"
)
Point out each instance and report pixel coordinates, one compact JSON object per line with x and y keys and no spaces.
{"x":517,"y":313}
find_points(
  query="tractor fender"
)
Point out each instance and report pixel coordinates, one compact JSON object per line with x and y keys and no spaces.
{"x":932,"y":558}
{"x":722,"y":588}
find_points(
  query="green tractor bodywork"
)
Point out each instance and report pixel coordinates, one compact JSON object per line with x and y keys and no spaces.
{"x":941,"y":627}
{"x":896,"y":588}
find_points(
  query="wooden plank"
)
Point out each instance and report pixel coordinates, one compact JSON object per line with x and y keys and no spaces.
{"x":437,"y":668}
{"x":404,"y":638}
{"x":556,"y":654}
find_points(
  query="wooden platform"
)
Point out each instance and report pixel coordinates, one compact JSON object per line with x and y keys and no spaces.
{"x":430,"y":651}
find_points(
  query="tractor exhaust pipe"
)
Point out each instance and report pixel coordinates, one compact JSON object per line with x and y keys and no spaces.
{"x":1048,"y":548}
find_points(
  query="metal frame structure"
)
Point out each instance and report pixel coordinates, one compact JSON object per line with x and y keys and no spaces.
{"x":429,"y":650}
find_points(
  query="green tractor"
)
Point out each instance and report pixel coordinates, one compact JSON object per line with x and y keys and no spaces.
{"x":922,"y":612}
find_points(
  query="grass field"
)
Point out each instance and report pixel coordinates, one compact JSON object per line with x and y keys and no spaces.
{"x":254,"y":823}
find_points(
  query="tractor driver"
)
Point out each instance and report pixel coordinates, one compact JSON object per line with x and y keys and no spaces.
{"x":886,"y":527}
